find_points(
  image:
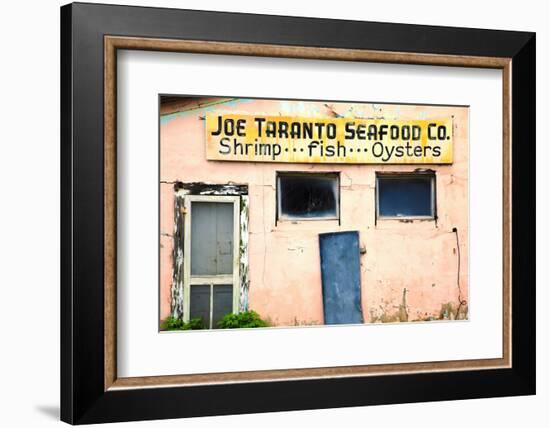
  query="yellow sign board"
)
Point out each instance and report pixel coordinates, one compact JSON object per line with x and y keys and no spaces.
{"x":258,"y":138}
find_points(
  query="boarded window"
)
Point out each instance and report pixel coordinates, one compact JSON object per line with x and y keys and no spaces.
{"x":307,"y":196}
{"x":405,"y":195}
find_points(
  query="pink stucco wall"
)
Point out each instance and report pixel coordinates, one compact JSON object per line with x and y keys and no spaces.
{"x":408,"y":266}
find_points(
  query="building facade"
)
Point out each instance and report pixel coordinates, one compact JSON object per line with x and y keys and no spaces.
{"x":247,"y":235}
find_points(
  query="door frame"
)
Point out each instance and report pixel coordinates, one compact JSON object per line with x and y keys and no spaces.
{"x":233,"y":278}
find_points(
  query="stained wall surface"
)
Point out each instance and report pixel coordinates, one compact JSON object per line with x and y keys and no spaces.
{"x":409,"y":268}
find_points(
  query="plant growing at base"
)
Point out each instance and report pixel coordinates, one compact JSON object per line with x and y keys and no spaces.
{"x":172,"y":323}
{"x":247,"y":319}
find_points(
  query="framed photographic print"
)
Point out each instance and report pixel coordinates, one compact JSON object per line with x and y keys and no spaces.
{"x":308,"y":213}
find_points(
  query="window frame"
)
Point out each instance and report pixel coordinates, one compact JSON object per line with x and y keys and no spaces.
{"x":401,"y":175}
{"x":280,"y":217}
{"x":211,"y":280}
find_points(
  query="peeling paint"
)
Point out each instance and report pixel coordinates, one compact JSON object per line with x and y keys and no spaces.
{"x":243,"y":256}
{"x":403,"y":314}
{"x":204,"y":108}
{"x":198,"y":188}
{"x":386,"y":313}
{"x":177,"y":256}
{"x":448,"y":311}
{"x":451,"y":311}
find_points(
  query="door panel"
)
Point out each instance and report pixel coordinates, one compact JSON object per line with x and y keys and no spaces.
{"x":211,"y":238}
{"x":340,"y":273}
{"x":211,"y":264}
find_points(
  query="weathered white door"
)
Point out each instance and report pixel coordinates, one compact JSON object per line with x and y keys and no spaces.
{"x":211,"y":257}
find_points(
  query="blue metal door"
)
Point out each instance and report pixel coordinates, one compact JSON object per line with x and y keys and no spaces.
{"x":340,"y":273}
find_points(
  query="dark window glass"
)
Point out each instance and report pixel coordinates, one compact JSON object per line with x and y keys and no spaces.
{"x":200,"y":303}
{"x":405,"y":196}
{"x":223,"y":303}
{"x":307,"y":196}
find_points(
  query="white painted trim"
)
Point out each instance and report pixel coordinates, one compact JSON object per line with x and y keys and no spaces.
{"x":212,"y":198}
{"x":211,"y":279}
{"x":236,"y":252}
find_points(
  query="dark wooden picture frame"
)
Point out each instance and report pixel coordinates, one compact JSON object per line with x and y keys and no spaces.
{"x":90,"y":389}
